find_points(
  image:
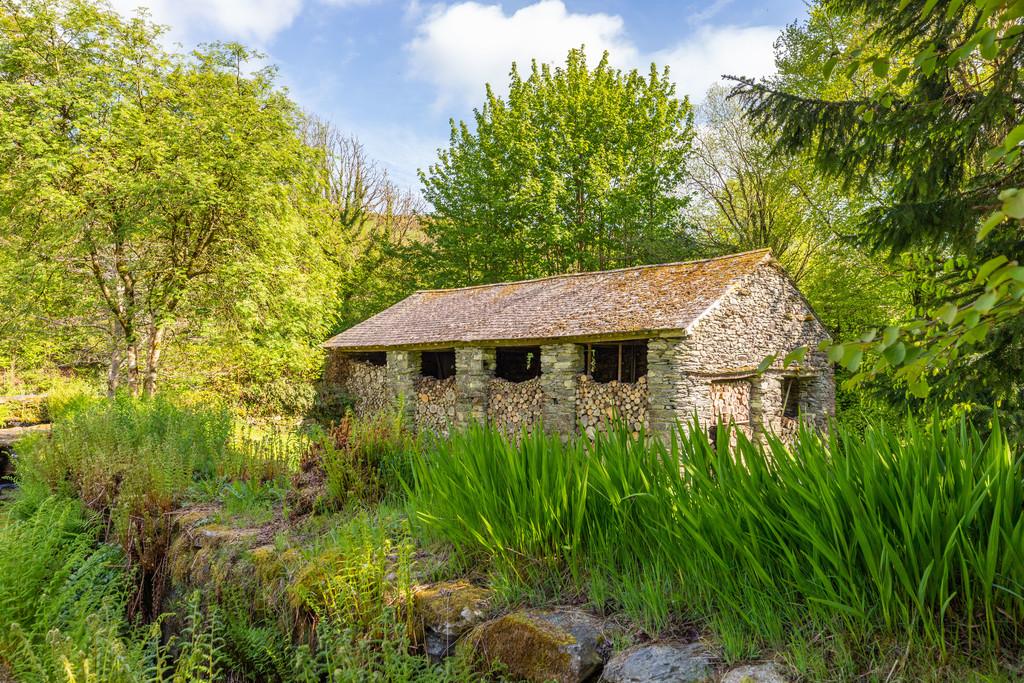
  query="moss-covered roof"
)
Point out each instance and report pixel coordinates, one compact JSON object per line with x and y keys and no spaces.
{"x":602,"y":304}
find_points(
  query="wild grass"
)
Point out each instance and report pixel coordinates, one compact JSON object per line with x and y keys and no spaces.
{"x":920,"y":536}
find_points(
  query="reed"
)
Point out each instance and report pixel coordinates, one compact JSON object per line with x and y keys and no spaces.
{"x":919,"y":534}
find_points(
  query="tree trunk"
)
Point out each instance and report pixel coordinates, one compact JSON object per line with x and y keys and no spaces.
{"x":114,"y":370}
{"x":132,"y":349}
{"x":156,"y":338}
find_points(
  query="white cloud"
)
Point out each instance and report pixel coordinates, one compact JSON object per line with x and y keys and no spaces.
{"x":252,"y":21}
{"x":461,"y":47}
{"x":458,"y":48}
{"x":703,"y":58}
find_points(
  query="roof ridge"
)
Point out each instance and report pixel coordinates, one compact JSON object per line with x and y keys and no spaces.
{"x":596,"y":272}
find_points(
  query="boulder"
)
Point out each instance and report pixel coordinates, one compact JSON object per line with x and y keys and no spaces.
{"x":566,"y":646}
{"x":659,"y":663}
{"x":755,"y":673}
{"x":445,"y":611}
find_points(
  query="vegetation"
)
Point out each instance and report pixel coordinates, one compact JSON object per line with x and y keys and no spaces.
{"x":576,"y":170}
{"x":172,"y":532}
{"x":823,"y":534}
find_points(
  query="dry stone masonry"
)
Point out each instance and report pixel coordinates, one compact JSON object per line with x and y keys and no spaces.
{"x":692,"y":335}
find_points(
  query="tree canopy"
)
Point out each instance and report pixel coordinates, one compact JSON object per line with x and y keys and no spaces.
{"x":578,"y":168}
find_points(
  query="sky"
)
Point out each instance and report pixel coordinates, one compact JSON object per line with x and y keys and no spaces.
{"x":394,"y":72}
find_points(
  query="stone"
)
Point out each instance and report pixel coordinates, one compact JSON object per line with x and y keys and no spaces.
{"x":564,"y":646}
{"x":755,"y":673}
{"x":659,"y":663}
{"x":445,"y":611}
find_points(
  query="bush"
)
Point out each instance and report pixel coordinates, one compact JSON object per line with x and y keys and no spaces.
{"x":366,"y":459}
{"x":921,"y":535}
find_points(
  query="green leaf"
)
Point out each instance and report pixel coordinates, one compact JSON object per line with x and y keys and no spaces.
{"x":895,"y":353}
{"x":836,"y":352}
{"x":989,"y":267}
{"x":947,"y":313}
{"x":1014,"y":137}
{"x":880,"y":66}
{"x":989,"y":224}
{"x":971,"y":318}
{"x":986,"y":301}
{"x":989,"y":49}
{"x":1014,"y":206}
{"x":869,"y":335}
{"x":976,"y":334}
{"x":765,"y":363}
{"x":795,"y":356}
{"x":918,"y":388}
{"x":852,"y":358}
{"x":890,"y":335}
{"x":829,"y":66}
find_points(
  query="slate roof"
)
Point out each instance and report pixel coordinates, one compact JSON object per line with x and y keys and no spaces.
{"x":606,"y":304}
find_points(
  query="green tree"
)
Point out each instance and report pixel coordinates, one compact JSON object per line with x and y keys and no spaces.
{"x":577,"y":169}
{"x":930,"y":127}
{"x":363,"y":222}
{"x":148,"y":177}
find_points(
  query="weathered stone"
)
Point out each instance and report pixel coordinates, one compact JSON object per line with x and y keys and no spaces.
{"x":659,"y":663}
{"x":563,"y":646}
{"x":754,"y":673}
{"x":403,"y":369}
{"x":474,"y":367}
{"x":560,"y":364}
{"x":445,"y":611}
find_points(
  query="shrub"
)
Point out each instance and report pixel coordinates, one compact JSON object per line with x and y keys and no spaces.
{"x":366,"y":459}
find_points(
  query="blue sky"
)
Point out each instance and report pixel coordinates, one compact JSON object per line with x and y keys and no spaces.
{"x":392,"y":72}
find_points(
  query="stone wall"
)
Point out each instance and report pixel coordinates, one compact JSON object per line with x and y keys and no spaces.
{"x":362,"y":382}
{"x":434,"y":404}
{"x":560,"y":364}
{"x":599,"y":403}
{"x":762,"y":315}
{"x":474,"y":368}
{"x":403,"y":371}
{"x":514,"y":406}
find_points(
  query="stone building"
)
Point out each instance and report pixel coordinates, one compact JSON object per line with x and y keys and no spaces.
{"x":649,"y":345}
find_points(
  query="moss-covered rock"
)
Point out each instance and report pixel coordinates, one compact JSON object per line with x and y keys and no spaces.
{"x":445,"y":611}
{"x":564,"y":646}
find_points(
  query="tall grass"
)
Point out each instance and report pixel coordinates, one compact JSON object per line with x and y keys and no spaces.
{"x":920,"y":535}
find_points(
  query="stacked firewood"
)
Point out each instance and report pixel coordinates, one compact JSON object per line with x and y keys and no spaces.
{"x":512,"y":406}
{"x":366,"y":384}
{"x":598,"y":404}
{"x":435,"y":404}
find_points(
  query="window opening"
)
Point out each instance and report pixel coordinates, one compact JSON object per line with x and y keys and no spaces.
{"x":616,"y":362}
{"x":437,"y":364}
{"x":378,"y":358}
{"x":517,"y":363}
{"x":791,"y":397}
